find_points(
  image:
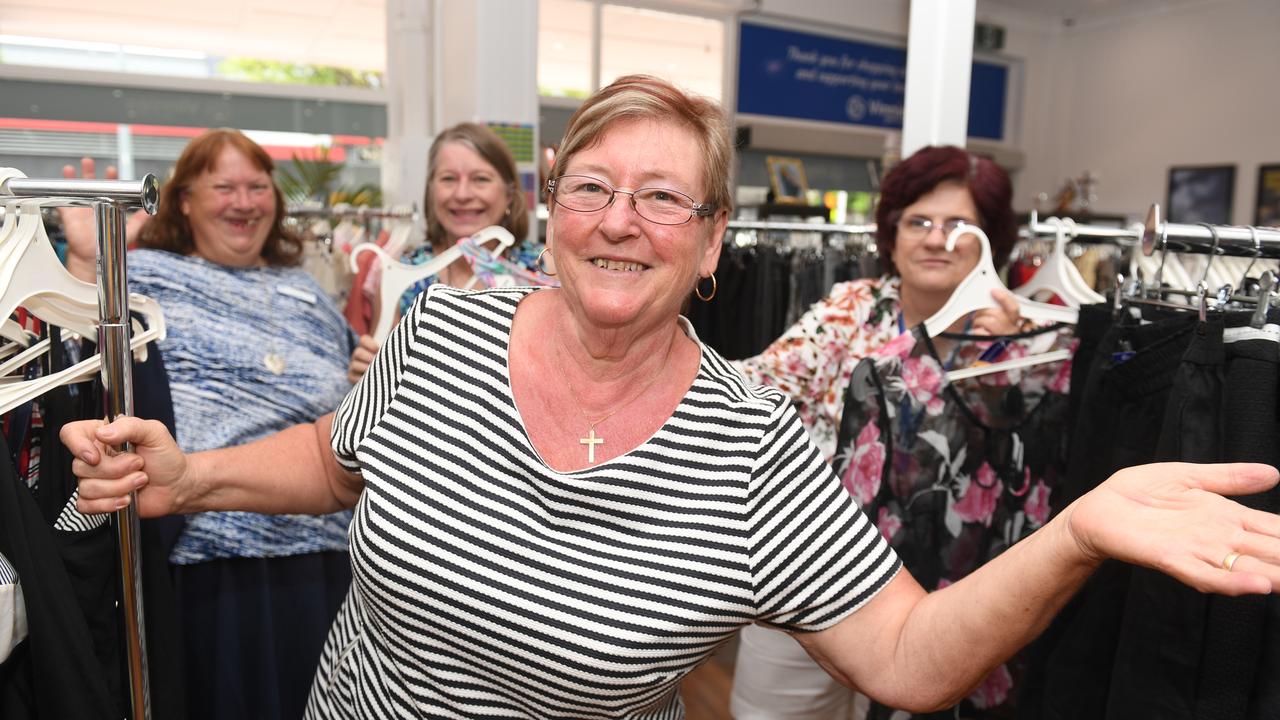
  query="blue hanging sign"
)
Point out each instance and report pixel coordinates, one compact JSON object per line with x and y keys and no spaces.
{"x":794,"y":74}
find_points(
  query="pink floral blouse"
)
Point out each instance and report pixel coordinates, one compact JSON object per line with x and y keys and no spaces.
{"x":814,"y":359}
{"x":955,"y":473}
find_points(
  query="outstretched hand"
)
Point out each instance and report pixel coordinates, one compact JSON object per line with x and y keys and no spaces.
{"x":156,"y":468}
{"x":78,"y":224}
{"x":1173,"y":517}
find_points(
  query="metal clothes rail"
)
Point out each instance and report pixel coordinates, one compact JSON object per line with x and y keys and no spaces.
{"x":1083,"y":232}
{"x":109,"y":199}
{"x":359,"y":212}
{"x":823,"y":228}
{"x":1233,"y":240}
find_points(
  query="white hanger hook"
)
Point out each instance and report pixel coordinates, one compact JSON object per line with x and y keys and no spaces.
{"x":974,"y":230}
{"x":1059,"y":233}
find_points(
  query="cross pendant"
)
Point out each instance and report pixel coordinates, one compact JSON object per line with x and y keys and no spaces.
{"x":591,"y":441}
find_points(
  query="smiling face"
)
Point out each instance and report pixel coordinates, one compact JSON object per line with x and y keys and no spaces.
{"x":467,"y":192}
{"x":231,"y":209}
{"x":921,"y":258}
{"x":618,"y":269}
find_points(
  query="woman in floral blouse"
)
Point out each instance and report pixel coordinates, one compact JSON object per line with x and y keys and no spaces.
{"x":922,"y":199}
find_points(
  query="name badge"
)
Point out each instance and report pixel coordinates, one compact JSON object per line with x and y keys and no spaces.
{"x":297,"y":293}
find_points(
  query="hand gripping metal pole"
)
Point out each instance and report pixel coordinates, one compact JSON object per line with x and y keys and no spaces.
{"x":109,"y":199}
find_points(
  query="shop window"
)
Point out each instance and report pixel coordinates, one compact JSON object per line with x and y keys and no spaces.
{"x":341,"y":45}
{"x":565,"y":48}
{"x":687,"y":50}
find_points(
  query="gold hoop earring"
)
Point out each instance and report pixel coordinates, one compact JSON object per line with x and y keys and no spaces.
{"x":698,"y":290}
{"x":538,"y":263}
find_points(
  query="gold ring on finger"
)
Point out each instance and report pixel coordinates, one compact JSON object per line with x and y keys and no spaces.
{"x":1229,"y":562}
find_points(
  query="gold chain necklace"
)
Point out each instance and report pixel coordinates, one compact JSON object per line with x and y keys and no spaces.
{"x":592,"y":440}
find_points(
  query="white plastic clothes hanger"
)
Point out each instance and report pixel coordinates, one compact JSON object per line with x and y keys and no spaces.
{"x":398,"y":237}
{"x":398,"y":277}
{"x":32,"y":276}
{"x":16,"y":393}
{"x":974,"y":291}
{"x":1058,"y":275}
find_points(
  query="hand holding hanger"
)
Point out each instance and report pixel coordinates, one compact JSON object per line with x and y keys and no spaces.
{"x":398,"y":277}
{"x":78,"y":224}
{"x":979,"y":290}
{"x":975,"y":291}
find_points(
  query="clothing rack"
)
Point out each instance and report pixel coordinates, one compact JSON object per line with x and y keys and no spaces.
{"x":358,"y":212}
{"x":109,"y":199}
{"x":824,"y":228}
{"x":1085,"y":233}
{"x":1235,"y":240}
{"x":743,"y":233}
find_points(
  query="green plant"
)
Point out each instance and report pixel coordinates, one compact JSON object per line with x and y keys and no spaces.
{"x":312,"y":178}
{"x":274,"y":71}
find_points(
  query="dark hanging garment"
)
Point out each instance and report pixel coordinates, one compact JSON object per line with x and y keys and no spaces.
{"x":1118,"y":411}
{"x":1236,"y":661}
{"x":1134,"y":643}
{"x":1161,"y":637}
{"x":56,"y":672}
{"x":71,"y":665}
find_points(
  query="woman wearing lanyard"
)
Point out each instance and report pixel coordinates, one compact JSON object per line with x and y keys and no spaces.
{"x":922,"y":200}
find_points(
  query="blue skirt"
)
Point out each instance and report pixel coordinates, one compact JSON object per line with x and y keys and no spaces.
{"x":253,"y":629}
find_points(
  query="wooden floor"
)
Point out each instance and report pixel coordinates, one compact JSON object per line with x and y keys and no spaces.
{"x":706,"y":690}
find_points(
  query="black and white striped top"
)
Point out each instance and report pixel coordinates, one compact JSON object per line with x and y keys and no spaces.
{"x":488,"y":585}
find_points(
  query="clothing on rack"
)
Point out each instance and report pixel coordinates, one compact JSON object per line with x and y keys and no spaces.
{"x":1162,"y":385}
{"x":324,"y":262}
{"x":13,"y":613}
{"x":70,"y":665}
{"x":764,"y":288}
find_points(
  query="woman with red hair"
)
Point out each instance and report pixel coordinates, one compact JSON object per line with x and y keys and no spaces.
{"x":922,"y":200}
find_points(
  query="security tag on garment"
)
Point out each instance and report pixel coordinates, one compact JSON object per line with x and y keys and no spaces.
{"x":297,"y":293}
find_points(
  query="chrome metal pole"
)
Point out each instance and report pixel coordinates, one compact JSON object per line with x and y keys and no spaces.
{"x":801,"y":226}
{"x":1239,"y":241}
{"x":117,"y":383}
{"x":1082,"y":231}
{"x":109,"y":199}
{"x":144,"y":193}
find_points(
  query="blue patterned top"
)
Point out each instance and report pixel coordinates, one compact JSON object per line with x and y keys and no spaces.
{"x":222,"y":324}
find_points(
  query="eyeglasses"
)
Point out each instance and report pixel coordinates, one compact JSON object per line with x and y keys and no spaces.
{"x":918,"y":226}
{"x":582,"y":193}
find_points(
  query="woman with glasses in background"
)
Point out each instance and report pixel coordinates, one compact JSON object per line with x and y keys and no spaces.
{"x":922,"y":200}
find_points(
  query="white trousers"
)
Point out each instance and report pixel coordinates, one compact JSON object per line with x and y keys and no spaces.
{"x":775,"y":679}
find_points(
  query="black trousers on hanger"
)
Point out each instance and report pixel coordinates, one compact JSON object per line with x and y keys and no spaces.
{"x":1119,"y":404}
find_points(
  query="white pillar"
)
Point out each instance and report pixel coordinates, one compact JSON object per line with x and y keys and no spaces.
{"x":939,"y":65}
{"x":409,"y":101}
{"x":488,"y":61}
{"x":450,"y":61}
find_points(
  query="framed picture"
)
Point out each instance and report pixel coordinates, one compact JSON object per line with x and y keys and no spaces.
{"x":786,"y":178}
{"x":1267,"y":210}
{"x":1201,"y":194}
